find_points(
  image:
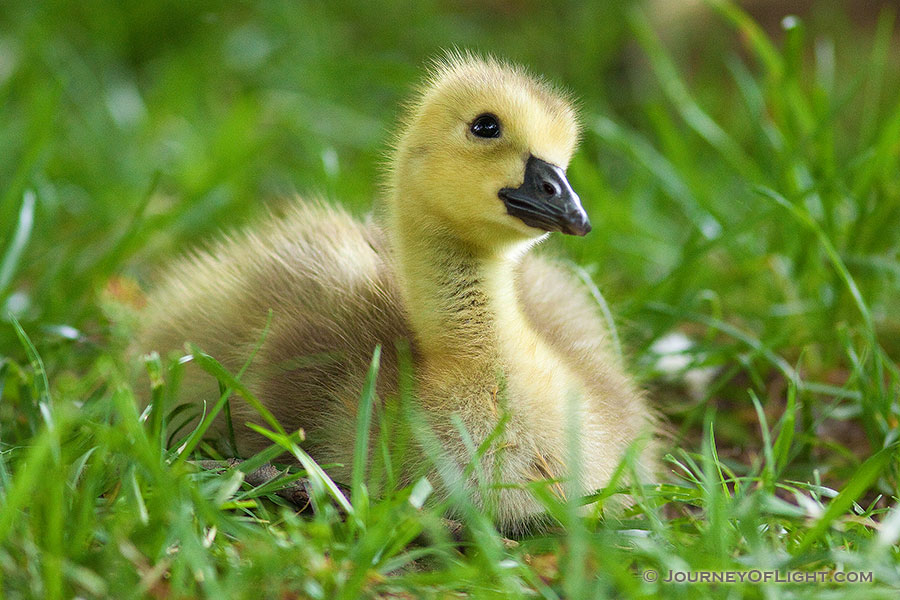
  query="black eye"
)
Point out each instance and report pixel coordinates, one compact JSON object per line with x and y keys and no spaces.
{"x":485,"y":126}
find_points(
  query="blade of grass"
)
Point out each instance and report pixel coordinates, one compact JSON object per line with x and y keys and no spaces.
{"x":768,"y":470}
{"x":320,"y":482}
{"x":763,"y":47}
{"x":804,"y":218}
{"x":269,"y":454}
{"x":41,"y":383}
{"x":785,"y":437}
{"x":214,"y":368}
{"x":684,"y":103}
{"x":359,"y":494}
{"x":22,"y":488}
{"x":643,"y":152}
{"x":17,"y":243}
{"x":875,"y":76}
{"x":862,"y":480}
{"x":153,"y":365}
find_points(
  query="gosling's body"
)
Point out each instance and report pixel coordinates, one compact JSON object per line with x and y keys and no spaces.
{"x":492,"y":329}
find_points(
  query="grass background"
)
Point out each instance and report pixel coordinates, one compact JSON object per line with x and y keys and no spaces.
{"x":743,"y":177}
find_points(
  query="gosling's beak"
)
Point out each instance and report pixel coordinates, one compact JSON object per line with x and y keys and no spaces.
{"x":545,"y":200}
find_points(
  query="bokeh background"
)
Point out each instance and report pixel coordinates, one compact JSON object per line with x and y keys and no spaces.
{"x":741,"y":167}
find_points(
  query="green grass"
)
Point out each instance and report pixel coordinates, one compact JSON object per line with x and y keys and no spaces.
{"x":744,"y":190}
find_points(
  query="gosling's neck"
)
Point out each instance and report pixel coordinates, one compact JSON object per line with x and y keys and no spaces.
{"x":461,"y":300}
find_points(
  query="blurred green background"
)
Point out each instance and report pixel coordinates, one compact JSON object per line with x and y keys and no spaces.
{"x":143,"y":129}
{"x":741,"y":169}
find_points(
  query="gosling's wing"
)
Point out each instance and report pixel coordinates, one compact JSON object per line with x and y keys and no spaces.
{"x":559,"y":306}
{"x":330,"y":285}
{"x":339,"y":300}
{"x":562,"y":310}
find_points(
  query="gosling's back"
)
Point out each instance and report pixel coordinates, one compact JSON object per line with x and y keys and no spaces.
{"x":329,"y":283}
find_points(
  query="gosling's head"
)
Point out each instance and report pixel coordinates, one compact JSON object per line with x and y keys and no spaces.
{"x":482,"y":157}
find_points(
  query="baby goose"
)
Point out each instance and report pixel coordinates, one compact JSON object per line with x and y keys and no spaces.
{"x":477,"y":177}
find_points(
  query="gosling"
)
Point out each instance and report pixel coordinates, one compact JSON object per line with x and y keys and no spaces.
{"x":476,"y":179}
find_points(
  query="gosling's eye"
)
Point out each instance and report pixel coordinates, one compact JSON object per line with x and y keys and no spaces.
{"x":485,"y":126}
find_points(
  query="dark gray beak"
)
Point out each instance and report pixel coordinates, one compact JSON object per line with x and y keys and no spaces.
{"x":545,"y":200}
